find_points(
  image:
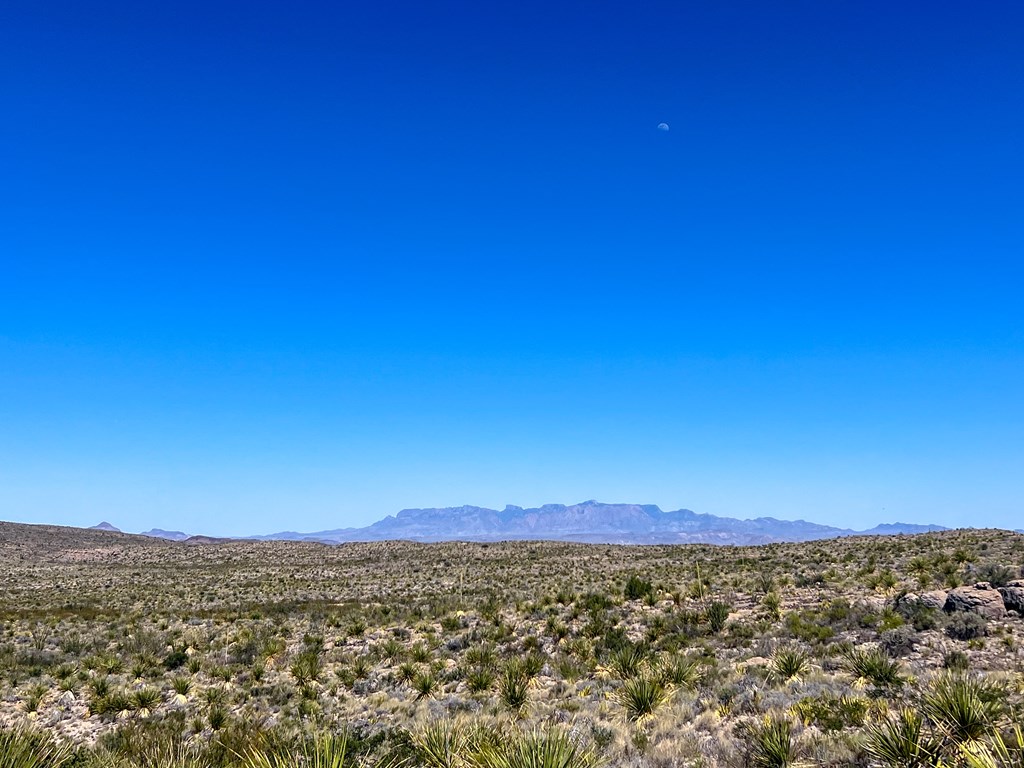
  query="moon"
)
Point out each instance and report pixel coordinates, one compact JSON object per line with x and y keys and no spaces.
{"x":662,"y":126}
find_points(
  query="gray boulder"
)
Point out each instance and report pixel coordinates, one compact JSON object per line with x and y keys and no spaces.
{"x":980,"y":598}
{"x":933,"y":599}
{"x":1013,"y":596}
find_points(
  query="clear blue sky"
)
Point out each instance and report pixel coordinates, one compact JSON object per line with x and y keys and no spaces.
{"x":300,"y":265}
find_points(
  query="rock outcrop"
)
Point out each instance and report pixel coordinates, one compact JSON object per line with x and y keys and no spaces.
{"x":1013,"y":596}
{"x":981,"y":598}
{"x":932,"y":599}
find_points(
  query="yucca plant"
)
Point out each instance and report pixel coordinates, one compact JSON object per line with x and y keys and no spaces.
{"x":479,"y":680}
{"x":899,"y":743}
{"x":717,"y":615}
{"x":789,"y":663}
{"x":181,"y":687}
{"x":641,"y":696}
{"x":329,"y":750}
{"x":144,"y":700}
{"x":513,"y":688}
{"x":441,"y":744}
{"x":424,"y":684}
{"x":875,"y":667}
{"x":771,"y":744}
{"x":1000,"y":753}
{"x":963,"y":709}
{"x":23,"y":748}
{"x":549,"y":748}
{"x":628,"y":661}
{"x":680,"y":670}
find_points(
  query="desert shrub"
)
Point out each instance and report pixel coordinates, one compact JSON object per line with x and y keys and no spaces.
{"x":898,"y":641}
{"x":966,"y":626}
{"x":956,"y":661}
{"x":833,"y":713}
{"x":995,"y":574}
{"x":175,"y":659}
{"x":920,"y":617}
{"x":807,"y":627}
{"x":637,"y":588}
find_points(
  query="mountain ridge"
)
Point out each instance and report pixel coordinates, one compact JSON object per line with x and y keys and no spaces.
{"x":589,"y":521}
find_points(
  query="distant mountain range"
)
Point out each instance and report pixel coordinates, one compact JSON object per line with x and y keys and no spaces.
{"x":589,"y":521}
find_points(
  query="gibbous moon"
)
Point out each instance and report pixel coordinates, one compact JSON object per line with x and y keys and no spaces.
{"x":662,"y":126}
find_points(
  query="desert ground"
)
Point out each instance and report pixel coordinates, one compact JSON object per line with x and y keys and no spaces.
{"x":120,"y":650}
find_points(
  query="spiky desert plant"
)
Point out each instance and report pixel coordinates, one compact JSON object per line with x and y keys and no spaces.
{"x":327,"y":750}
{"x":144,"y":700}
{"x":641,"y":696}
{"x":963,"y":709}
{"x":513,"y":688}
{"x":181,"y":686}
{"x":628,"y":661}
{"x":680,"y":670}
{"x":898,"y":742}
{"x":875,"y":667}
{"x":479,"y":680}
{"x":789,"y":663}
{"x":424,"y":684}
{"x":717,"y":615}
{"x":307,"y":667}
{"x":547,"y":748}
{"x":23,"y":748}
{"x":1000,"y":753}
{"x":772,"y":605}
{"x":771,"y":743}
{"x":441,"y":744}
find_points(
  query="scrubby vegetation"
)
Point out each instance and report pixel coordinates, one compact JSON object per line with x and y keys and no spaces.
{"x":123,"y":651}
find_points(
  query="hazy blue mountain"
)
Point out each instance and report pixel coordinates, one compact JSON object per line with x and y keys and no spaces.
{"x":104,"y":526}
{"x":888,"y":529}
{"x":589,"y":521}
{"x":160,"y":533}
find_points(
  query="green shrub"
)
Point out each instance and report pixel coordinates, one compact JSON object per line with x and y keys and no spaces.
{"x":966,"y":626}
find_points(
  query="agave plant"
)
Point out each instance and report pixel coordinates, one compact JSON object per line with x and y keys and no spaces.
{"x":442,"y":744}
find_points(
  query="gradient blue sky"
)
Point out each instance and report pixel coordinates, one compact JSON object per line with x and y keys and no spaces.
{"x":299,"y":265}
